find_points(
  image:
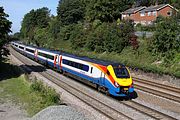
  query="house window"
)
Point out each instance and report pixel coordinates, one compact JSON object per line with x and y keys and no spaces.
{"x":169,"y":13}
{"x":154,"y":13}
{"x":149,"y":13}
{"x":142,"y":14}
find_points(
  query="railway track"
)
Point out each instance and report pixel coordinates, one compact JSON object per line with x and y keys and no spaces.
{"x":147,"y":110}
{"x":131,"y":104}
{"x":108,"y":111}
{"x":165,"y":91}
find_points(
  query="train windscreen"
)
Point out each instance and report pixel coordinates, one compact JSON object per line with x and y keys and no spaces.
{"x":121,"y":72}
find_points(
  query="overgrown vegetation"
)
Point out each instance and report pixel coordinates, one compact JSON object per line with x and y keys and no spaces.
{"x":93,"y":28}
{"x":19,"y":91}
{"x":47,"y":93}
{"x":32,"y":96}
{"x":166,"y":40}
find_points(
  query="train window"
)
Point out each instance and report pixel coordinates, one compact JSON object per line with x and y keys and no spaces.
{"x":46,"y":55}
{"x":86,"y":68}
{"x":50,"y":56}
{"x":76,"y":65}
{"x":29,"y":50}
{"x":81,"y":66}
{"x":121,"y":72}
{"x":65,"y":62}
{"x":21,"y":47}
{"x":41,"y":54}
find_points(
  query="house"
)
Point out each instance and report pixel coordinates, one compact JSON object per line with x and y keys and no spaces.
{"x":146,"y":15}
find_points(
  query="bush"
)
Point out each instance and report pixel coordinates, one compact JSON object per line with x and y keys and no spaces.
{"x":78,"y":36}
{"x":65,"y":32}
{"x":165,"y":42}
{"x":49,"y":95}
{"x":109,"y":37}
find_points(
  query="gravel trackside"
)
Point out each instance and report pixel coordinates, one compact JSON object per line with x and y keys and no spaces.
{"x":10,"y":111}
{"x":59,"y":113}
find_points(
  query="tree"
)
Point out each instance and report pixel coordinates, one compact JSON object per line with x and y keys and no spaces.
{"x":34,"y":19}
{"x":110,"y":37}
{"x":54,"y":27}
{"x":106,"y":10}
{"x":70,"y":11}
{"x":166,"y":40}
{"x":5,"y":26}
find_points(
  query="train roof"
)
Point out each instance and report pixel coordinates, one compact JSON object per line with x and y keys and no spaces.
{"x":85,"y":58}
{"x":93,"y":60}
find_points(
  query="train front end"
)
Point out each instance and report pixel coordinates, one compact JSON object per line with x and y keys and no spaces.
{"x":122,"y":80}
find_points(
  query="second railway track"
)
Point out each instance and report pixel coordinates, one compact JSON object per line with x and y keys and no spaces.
{"x":165,"y":91}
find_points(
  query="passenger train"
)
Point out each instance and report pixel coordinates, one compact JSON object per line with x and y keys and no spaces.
{"x":111,"y":78}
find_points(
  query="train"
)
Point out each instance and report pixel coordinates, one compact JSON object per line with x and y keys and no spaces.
{"x":109,"y":77}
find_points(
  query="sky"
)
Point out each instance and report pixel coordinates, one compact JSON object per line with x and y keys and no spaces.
{"x":16,"y":9}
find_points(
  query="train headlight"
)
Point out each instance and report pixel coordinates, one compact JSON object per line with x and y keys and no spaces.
{"x":116,"y":84}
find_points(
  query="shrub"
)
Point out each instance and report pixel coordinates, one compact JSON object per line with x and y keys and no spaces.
{"x":78,"y":36}
{"x":109,"y":37}
{"x":49,"y":95}
{"x":165,"y":42}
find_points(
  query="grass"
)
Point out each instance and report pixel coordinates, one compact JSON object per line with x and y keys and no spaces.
{"x":20,"y":91}
{"x":141,"y":59}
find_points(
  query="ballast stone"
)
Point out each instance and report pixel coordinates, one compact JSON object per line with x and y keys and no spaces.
{"x":61,"y":112}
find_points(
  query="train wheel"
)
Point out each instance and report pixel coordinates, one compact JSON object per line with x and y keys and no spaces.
{"x":107,"y":92}
{"x":98,"y":88}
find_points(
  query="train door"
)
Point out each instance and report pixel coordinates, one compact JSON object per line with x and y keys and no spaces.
{"x":102,"y":79}
{"x":36,"y":54}
{"x":56,"y":61}
{"x":60,"y":62}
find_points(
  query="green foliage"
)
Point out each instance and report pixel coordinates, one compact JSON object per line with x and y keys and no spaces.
{"x":5,"y":26}
{"x":41,"y":37}
{"x":46,"y":92}
{"x":166,"y":40}
{"x":70,"y":11}
{"x":109,"y":37}
{"x":54,"y":27}
{"x":35,"y":18}
{"x":65,"y":32}
{"x":106,"y":10}
{"x":78,"y":36}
